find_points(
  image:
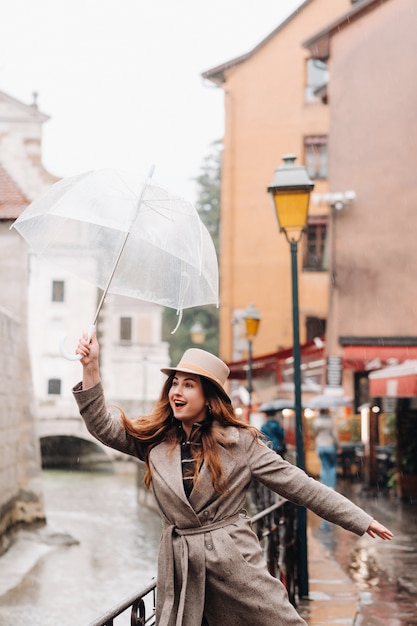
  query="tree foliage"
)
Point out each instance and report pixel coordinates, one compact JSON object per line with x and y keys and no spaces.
{"x":208,"y":206}
{"x":208,"y":203}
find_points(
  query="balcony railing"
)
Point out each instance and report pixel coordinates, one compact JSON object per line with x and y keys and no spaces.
{"x":275,"y":525}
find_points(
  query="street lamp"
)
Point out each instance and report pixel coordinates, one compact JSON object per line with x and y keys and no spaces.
{"x":197,"y":333}
{"x":252,"y":319}
{"x":290,"y":191}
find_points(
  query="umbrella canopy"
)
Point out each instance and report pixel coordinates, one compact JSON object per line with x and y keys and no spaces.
{"x":128,"y":237}
{"x":276,"y":405}
{"x":327,"y":401}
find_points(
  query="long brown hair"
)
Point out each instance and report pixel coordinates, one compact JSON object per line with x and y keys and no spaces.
{"x":161,"y":425}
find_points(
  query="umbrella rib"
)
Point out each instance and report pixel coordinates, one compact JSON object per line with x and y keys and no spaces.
{"x":122,"y":247}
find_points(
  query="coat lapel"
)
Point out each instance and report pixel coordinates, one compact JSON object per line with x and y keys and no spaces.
{"x":167,"y":463}
{"x":203,"y":492}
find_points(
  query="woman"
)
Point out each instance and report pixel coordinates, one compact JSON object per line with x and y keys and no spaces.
{"x":326,"y":447}
{"x":274,"y":433}
{"x":200,"y":460}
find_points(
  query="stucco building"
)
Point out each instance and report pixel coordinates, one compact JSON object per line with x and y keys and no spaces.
{"x":371,"y":54}
{"x":273,"y":106}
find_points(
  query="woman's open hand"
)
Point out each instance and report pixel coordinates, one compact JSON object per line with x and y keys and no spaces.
{"x":378,"y":530}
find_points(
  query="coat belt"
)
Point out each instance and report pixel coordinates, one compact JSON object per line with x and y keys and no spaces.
{"x":167,"y":538}
{"x":197,"y":530}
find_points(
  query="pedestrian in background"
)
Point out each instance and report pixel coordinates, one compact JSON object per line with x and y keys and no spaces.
{"x":326,"y":447}
{"x":274,"y":432}
{"x":200,"y":460}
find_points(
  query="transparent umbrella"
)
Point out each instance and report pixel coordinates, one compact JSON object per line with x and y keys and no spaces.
{"x":126,"y":236}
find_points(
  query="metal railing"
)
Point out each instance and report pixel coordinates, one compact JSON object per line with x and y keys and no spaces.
{"x":140,"y":613}
{"x":275,"y":525}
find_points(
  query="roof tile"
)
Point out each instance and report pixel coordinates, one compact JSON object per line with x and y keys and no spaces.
{"x":12,"y":199}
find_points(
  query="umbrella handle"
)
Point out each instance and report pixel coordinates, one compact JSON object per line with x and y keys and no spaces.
{"x":75,"y":357}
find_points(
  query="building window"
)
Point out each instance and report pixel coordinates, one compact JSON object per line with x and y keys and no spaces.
{"x":58,"y":291}
{"x":126,"y":329}
{"x":315,"y":156}
{"x":54,"y":387}
{"x":315,"y":247}
{"x":315,"y":327}
{"x":317,"y":77}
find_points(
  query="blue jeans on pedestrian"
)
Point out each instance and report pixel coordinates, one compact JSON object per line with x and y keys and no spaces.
{"x":328,"y":470}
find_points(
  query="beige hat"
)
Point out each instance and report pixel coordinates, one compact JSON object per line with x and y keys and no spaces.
{"x":196,"y":361}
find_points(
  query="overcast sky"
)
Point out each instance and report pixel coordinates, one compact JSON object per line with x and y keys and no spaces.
{"x":121,"y":79}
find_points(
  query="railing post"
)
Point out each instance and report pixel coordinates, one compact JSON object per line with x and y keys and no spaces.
{"x":138,"y":613}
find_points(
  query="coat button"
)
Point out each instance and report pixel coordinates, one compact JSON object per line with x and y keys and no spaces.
{"x":209,"y":546}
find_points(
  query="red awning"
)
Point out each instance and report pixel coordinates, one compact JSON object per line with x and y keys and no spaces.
{"x":272,"y":363}
{"x":398,"y":381}
{"x":370,"y":357}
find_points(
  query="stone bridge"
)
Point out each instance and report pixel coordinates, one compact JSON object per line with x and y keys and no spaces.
{"x":66,"y":443}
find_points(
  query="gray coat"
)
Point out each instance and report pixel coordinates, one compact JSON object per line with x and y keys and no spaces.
{"x":210,"y":560}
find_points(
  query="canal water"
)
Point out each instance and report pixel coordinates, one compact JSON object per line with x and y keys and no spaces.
{"x":113,"y":554}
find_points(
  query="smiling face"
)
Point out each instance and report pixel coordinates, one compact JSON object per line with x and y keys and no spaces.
{"x":187,"y":399}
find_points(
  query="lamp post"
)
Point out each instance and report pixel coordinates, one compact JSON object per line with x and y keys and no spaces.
{"x":290,"y":191}
{"x":252,"y":319}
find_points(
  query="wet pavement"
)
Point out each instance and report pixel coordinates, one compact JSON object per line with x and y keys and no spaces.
{"x":333,"y":596}
{"x":363,"y":581}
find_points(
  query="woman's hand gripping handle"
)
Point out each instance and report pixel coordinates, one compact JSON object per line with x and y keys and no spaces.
{"x":88,"y":353}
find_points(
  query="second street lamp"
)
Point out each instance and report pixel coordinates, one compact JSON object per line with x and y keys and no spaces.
{"x":252,"y":319}
{"x":198,"y":333}
{"x":290,"y":191}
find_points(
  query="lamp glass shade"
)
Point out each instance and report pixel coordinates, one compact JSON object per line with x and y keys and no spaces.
{"x":290,"y":191}
{"x":291,"y":208}
{"x":252,"y":319}
{"x":198,"y":333}
{"x":252,"y":326}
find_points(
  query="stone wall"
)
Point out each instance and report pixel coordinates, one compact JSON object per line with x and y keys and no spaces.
{"x":21,"y":498}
